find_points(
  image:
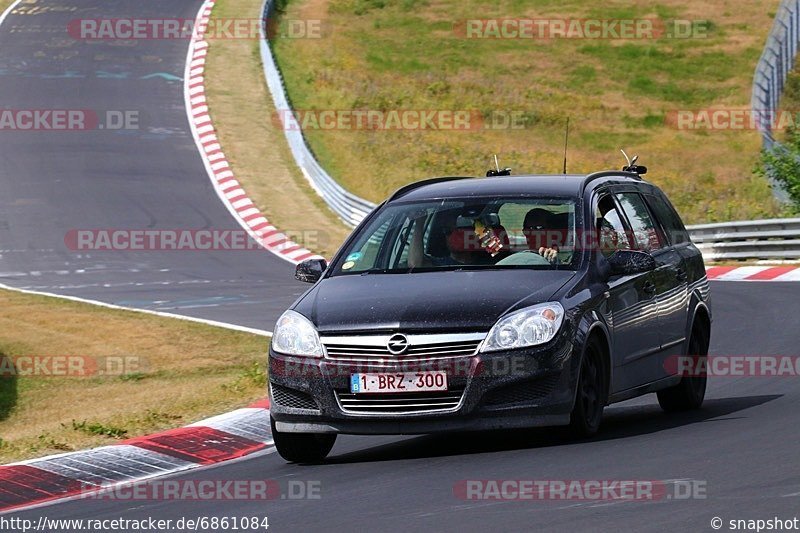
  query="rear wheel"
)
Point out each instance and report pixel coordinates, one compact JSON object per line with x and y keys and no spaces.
{"x":691,"y":391}
{"x":592,"y":392}
{"x":302,"y":447}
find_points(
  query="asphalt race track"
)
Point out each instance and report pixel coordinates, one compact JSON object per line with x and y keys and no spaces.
{"x":741,"y":447}
{"x":151,"y":177}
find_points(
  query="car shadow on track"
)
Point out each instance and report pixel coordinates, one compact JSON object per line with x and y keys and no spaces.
{"x":618,"y":423}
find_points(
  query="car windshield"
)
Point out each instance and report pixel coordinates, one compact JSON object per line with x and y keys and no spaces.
{"x":469,"y":233}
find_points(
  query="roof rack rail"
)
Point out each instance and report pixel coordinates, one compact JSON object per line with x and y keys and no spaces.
{"x":610,"y":174}
{"x":411,"y":186}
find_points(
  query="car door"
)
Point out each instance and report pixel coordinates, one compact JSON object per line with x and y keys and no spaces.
{"x":670,"y":277}
{"x":631,"y":311}
{"x":690,"y":268}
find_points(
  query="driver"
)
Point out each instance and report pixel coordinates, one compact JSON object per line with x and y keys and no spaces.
{"x":536,"y":227}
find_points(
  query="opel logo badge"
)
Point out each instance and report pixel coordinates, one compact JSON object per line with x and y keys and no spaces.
{"x":398,"y":344}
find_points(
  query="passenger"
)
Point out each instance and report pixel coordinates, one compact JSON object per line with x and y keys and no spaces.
{"x":463,"y":244}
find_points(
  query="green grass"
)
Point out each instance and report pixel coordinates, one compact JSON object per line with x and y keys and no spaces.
{"x":254,"y":146}
{"x":185,"y":372}
{"x":404,"y":54}
{"x":790,"y":100}
{"x":98,"y":428}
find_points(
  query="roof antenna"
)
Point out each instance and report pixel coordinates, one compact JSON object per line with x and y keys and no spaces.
{"x":566,"y":143}
{"x":630,"y":161}
{"x":498,"y":172}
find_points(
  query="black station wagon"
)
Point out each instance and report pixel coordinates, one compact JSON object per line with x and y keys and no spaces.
{"x":487,"y":303}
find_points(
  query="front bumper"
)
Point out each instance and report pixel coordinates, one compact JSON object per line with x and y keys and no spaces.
{"x":499,"y":390}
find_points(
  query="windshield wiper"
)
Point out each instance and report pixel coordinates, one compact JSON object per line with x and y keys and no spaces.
{"x":375,"y":271}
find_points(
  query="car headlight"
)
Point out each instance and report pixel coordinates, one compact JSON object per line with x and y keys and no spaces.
{"x":295,"y":335}
{"x":527,"y":327}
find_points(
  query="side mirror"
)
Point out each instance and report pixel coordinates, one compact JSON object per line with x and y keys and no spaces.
{"x":629,"y":262}
{"x":310,"y":270}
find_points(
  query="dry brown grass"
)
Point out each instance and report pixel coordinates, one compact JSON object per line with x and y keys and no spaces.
{"x":188,"y":371}
{"x":403,"y":54}
{"x":242,"y":110}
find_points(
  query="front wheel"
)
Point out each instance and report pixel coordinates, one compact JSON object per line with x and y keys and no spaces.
{"x":592,"y":392}
{"x":302,"y":447}
{"x":691,"y":391}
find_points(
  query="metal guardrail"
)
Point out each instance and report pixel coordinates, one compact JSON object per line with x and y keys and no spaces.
{"x":776,"y":61}
{"x":349,"y":207}
{"x":774,"y":240}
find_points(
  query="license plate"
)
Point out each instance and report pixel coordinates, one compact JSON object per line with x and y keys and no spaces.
{"x":398,"y":382}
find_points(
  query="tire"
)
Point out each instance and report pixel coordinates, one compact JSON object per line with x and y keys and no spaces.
{"x":691,"y":391}
{"x":591,"y":394}
{"x":302,"y":447}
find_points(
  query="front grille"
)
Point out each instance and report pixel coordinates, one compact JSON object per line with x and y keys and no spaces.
{"x":400,"y":403}
{"x":296,"y":399}
{"x":526,"y":391}
{"x":367,"y":348}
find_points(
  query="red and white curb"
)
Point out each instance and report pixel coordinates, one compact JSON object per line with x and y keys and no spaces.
{"x":73,"y":475}
{"x":228,"y":188}
{"x":753,"y":273}
{"x":222,"y":438}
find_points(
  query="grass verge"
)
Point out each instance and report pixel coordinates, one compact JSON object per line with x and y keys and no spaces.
{"x":619,"y":93}
{"x":158,"y":373}
{"x":242,"y":110}
{"x":4,"y":4}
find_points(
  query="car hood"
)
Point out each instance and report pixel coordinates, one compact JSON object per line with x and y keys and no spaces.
{"x":425,"y":301}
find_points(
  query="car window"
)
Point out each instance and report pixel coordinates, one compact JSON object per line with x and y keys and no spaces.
{"x":367,"y":249}
{"x":611,"y":233}
{"x":407,"y":237}
{"x":531,"y":225}
{"x":411,"y":229}
{"x":669,"y":218}
{"x":645,"y":235}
